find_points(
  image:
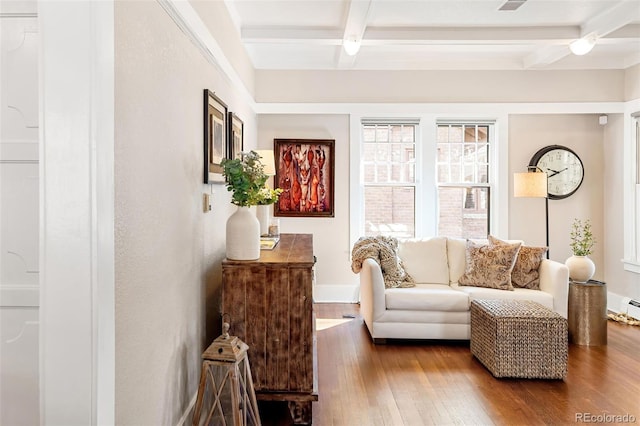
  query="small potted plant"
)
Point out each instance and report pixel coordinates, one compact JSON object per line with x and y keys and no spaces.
{"x":581,"y":267}
{"x":246,"y":179}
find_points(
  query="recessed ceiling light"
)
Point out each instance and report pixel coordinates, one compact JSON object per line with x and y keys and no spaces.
{"x":351,"y":45}
{"x":582,"y":46}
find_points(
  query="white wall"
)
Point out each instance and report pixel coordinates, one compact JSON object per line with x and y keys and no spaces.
{"x":582,"y":134}
{"x":632,"y":83}
{"x":168,"y":252}
{"x":439,"y":86}
{"x":335,"y":281}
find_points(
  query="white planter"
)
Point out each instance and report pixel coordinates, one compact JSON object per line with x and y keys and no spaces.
{"x":581,"y":268}
{"x":243,"y":235}
{"x":262,"y":212}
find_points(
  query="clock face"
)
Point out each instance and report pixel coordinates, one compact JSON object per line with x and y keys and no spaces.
{"x":563,"y":168}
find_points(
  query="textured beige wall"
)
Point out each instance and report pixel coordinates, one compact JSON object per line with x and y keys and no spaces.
{"x":167,"y":251}
{"x":583,"y":134}
{"x":632,"y":83}
{"x":330,"y":235}
{"x":216,"y":17}
{"x":439,"y":86}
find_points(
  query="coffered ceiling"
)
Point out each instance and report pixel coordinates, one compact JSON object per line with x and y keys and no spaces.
{"x":438,"y":34}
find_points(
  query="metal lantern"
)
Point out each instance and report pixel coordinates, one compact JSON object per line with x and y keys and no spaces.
{"x":226,"y":388}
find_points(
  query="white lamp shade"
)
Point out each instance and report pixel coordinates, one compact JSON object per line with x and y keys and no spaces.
{"x":268,"y":161}
{"x":530,"y":184}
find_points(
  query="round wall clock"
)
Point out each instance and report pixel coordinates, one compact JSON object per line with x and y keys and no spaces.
{"x":563,"y":168}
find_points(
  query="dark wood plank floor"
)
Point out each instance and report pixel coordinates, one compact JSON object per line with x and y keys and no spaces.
{"x":440,"y":383}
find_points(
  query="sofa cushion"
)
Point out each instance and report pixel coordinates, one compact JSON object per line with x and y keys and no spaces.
{"x":479,"y":293}
{"x":425,"y":259}
{"x":489,"y":265}
{"x":456,"y":255}
{"x":427,"y":297}
{"x":525,"y":272}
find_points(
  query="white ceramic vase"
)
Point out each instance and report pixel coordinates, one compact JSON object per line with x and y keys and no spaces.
{"x":243,"y":235}
{"x":581,"y":268}
{"x":262,"y":212}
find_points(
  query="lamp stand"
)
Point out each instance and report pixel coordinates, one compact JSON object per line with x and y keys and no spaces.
{"x":546,"y":212}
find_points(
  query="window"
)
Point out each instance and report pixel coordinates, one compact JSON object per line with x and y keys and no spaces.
{"x":389,"y":176}
{"x":463,"y":179}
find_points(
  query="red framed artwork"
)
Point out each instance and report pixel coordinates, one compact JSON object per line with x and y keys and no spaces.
{"x":305,"y":171}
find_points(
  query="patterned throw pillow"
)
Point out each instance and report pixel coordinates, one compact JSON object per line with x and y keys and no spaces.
{"x":489,"y":265}
{"x":525,"y":273}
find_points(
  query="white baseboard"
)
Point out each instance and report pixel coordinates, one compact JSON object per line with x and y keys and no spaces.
{"x":614,"y":302}
{"x":346,"y":293}
{"x":189,"y":411}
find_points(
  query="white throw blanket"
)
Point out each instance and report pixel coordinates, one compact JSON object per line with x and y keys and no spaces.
{"x":383,"y":250}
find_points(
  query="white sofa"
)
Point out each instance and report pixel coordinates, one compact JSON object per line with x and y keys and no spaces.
{"x":437,"y":307}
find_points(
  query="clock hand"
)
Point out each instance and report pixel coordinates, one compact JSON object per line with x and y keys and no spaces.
{"x":555,"y":172}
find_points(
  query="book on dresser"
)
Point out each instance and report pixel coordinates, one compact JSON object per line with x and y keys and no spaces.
{"x":270,"y":307}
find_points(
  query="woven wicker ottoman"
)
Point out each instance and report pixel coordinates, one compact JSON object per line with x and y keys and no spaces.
{"x":519,"y":338}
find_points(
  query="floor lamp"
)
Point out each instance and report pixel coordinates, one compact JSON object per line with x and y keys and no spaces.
{"x":533,"y":184}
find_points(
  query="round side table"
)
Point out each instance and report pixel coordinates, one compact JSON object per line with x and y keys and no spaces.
{"x":588,"y":313}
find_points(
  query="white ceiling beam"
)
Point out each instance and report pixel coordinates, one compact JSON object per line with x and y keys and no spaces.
{"x":600,"y":25}
{"x":612,"y":19}
{"x":426,"y":36}
{"x":319,"y":36}
{"x":355,"y":25}
{"x":545,"y":56}
{"x":484,"y":35}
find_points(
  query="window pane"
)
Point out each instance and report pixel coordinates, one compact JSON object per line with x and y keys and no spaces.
{"x":369,"y":173}
{"x":483,"y":153}
{"x":443,"y":173}
{"x":463,"y":212}
{"x":396,"y":172}
{"x":389,"y":210}
{"x":396,"y":152}
{"x":382,"y":133}
{"x":396,"y":133}
{"x":443,"y":134}
{"x":369,"y":133}
{"x":409,"y":134}
{"x":469,"y":133}
{"x":369,"y":152}
{"x":443,"y":152}
{"x":383,"y":173}
{"x":455,"y":134}
{"x":483,"y":173}
{"x":455,"y":151}
{"x":382,"y":153}
{"x":483,"y":133}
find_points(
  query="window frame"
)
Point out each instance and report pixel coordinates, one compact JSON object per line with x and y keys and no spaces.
{"x":426,"y":226}
{"x":416,"y":185}
{"x":491,"y":141}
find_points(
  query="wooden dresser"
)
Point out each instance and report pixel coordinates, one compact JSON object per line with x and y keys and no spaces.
{"x":270,"y":307}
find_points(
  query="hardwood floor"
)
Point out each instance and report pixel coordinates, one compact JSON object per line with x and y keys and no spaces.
{"x":439,"y":383}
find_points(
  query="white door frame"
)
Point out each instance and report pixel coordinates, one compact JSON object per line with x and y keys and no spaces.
{"x":77,"y":212}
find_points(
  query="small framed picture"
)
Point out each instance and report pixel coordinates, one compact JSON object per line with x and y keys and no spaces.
{"x":236,"y":136}
{"x":215,"y":137}
{"x":305,"y":173}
